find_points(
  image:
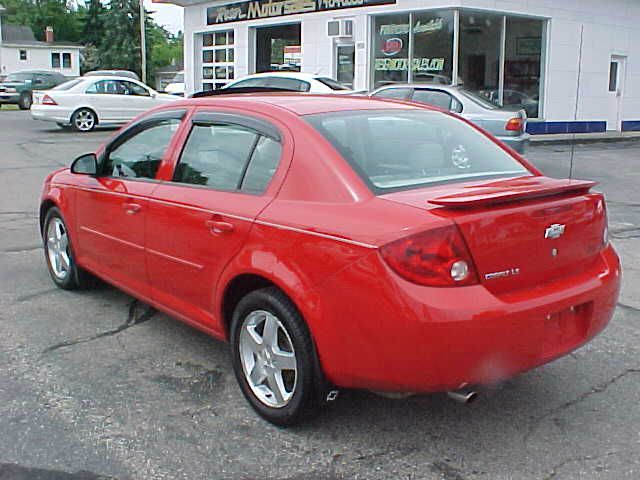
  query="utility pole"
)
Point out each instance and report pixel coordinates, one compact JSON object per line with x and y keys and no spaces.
{"x":143,"y":43}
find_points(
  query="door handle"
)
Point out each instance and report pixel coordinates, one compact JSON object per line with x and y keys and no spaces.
{"x":131,"y":208}
{"x":218,"y":227}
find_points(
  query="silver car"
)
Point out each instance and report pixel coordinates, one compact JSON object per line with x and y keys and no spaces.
{"x":506,"y":125}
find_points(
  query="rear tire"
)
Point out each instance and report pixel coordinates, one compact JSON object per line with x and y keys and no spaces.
{"x":25,"y":101}
{"x":273,"y":357}
{"x":84,"y":120}
{"x":58,"y":252}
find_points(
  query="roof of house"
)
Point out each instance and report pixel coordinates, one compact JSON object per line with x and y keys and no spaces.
{"x":23,"y":36}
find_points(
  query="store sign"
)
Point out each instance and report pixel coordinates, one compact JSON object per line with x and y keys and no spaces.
{"x":433,"y":25}
{"x":401,"y":64}
{"x":257,"y":9}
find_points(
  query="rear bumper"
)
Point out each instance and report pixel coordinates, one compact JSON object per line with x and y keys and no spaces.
{"x":383,"y":333}
{"x":51,"y":113}
{"x":519,"y":144}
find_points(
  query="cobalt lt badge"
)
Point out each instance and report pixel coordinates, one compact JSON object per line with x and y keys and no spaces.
{"x":554,"y":231}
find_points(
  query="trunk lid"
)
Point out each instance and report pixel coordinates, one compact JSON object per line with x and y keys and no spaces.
{"x":521,"y":232}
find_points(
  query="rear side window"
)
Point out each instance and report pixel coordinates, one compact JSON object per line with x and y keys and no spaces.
{"x":140,"y":155}
{"x":331,"y":83}
{"x":228,"y":157}
{"x":68,"y":85}
{"x":437,"y":98}
{"x":262,"y":166}
{"x":397,"y":149}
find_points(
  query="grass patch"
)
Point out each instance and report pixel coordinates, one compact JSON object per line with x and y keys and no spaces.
{"x":9,"y":107}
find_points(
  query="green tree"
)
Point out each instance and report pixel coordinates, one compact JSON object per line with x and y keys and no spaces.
{"x":120,"y":45}
{"x":66,"y":19}
{"x":93,"y":30}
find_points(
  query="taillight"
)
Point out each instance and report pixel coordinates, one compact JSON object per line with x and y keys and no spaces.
{"x":47,"y":100}
{"x":514,"y":124}
{"x":437,"y":258}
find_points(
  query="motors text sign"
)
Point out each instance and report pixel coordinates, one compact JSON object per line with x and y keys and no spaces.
{"x":257,"y":9}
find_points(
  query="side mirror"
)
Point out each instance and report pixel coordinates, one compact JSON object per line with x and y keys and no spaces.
{"x":85,"y":164}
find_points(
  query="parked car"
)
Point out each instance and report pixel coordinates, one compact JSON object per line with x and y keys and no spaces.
{"x":294,"y":81}
{"x":396,"y":248}
{"x":508,"y":126}
{"x":176,"y":87}
{"x":86,"y":102}
{"x":113,"y":73}
{"x":17,"y":88}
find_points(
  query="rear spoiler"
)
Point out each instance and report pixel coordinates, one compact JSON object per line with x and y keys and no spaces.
{"x":512,"y":190}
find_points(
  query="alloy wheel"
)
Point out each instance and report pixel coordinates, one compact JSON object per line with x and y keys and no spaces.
{"x":58,"y":248}
{"x":84,"y":120}
{"x":268,"y":358}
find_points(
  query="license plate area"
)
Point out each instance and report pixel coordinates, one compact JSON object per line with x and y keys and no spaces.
{"x":566,"y":328}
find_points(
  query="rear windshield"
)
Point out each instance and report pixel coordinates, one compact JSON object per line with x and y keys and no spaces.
{"x":68,"y":85}
{"x":477,"y":99}
{"x":403,"y":149}
{"x":331,"y":83}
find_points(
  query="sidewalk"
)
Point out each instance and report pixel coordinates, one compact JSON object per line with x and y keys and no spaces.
{"x":563,"y":138}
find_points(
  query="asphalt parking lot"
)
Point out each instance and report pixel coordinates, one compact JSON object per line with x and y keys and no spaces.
{"x":95,"y":385}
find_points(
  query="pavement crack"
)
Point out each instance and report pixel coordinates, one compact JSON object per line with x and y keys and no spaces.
{"x":31,"y":296}
{"x":132,"y":320}
{"x":557,"y":467}
{"x":28,"y":248}
{"x":599,"y":388}
{"x":630,"y":308}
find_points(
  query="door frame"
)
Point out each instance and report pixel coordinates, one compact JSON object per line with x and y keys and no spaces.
{"x":621,"y":73}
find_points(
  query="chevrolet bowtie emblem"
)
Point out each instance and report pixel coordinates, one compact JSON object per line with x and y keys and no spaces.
{"x":554,"y":231}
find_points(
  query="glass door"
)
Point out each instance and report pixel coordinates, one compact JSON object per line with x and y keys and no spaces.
{"x":345,"y":64}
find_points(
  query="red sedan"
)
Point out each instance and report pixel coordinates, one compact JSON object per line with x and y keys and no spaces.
{"x":338,"y":243}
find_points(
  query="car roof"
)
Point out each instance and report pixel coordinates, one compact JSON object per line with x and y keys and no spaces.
{"x":93,"y":78}
{"x":298,"y":75}
{"x":439,"y":86}
{"x":300,"y":104}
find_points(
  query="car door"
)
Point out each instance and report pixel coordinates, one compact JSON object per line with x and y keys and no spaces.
{"x":107,"y":98}
{"x":111,"y":207}
{"x":138,"y":99}
{"x":199,"y":220}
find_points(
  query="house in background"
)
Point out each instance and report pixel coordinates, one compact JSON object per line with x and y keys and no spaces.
{"x":19,"y":50}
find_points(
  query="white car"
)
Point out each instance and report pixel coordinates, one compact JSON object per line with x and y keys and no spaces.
{"x":86,"y":102}
{"x":176,"y":87}
{"x":295,"y":81}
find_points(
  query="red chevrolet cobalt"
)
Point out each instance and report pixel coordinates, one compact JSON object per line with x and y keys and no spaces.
{"x":338,"y":243}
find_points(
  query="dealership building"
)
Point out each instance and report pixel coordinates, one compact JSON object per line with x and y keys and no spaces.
{"x":573,"y":65}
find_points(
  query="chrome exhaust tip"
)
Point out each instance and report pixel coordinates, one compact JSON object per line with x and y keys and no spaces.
{"x":463,"y":395}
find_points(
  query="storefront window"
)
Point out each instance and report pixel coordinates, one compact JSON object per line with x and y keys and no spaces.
{"x":217,"y":59}
{"x":479,"y":58}
{"x":523,"y":48}
{"x":432,"y":57}
{"x":391,"y":49}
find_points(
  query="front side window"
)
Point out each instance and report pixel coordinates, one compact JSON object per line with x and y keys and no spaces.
{"x":55,"y":60}
{"x":399,"y":93}
{"x":140,"y":155}
{"x":292,"y":84}
{"x":132,"y":88}
{"x":403,"y":149}
{"x":228,"y":157}
{"x":106,"y":87}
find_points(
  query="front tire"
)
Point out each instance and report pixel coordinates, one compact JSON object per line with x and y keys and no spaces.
{"x":84,"y":120}
{"x":25,"y":101}
{"x":273,"y":357}
{"x":58,"y":253}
